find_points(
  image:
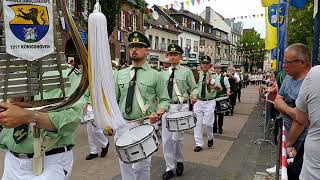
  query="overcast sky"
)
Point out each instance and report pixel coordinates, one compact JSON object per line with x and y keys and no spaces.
{"x":227,"y":8}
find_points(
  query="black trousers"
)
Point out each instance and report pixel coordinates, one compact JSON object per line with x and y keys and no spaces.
{"x":233,"y":100}
{"x":218,"y":123}
{"x":294,"y":169}
{"x":239,"y":94}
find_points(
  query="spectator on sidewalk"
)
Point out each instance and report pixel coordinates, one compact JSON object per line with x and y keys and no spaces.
{"x":273,"y":90}
{"x":307,"y":115}
{"x":297,"y":63}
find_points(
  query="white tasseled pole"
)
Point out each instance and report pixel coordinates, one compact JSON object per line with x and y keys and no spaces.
{"x":102,"y":86}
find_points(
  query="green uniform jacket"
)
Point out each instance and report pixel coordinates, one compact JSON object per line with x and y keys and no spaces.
{"x":151,"y":86}
{"x":184,"y":78}
{"x":234,"y":87}
{"x":223,"y":92}
{"x":65,"y":121}
{"x":213,"y":92}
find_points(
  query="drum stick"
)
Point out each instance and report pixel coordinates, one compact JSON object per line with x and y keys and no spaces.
{"x":139,"y":120}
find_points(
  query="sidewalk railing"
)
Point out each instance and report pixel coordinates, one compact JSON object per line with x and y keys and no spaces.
{"x":267,"y":116}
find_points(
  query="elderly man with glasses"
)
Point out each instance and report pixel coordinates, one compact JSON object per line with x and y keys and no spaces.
{"x":297,"y":63}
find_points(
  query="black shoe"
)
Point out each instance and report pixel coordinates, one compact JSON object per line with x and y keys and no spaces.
{"x":226,"y":114}
{"x":220,"y":131}
{"x":210,"y":143}
{"x":215,"y":131}
{"x":104,"y":151}
{"x":197,"y":149}
{"x":91,"y":156}
{"x":179,"y":169}
{"x":167,"y":175}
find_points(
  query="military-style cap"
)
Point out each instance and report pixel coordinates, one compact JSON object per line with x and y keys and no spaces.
{"x":205,"y":60}
{"x":217,"y":65}
{"x":137,"y":37}
{"x":165,"y":60}
{"x":173,"y":48}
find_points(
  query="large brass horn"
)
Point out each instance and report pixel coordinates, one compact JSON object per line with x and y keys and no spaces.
{"x":83,"y":54}
{"x":9,"y":63}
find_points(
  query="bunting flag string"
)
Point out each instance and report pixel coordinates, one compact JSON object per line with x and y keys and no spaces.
{"x":186,"y":3}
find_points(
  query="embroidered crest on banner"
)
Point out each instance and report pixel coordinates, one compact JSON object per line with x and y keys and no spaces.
{"x":28,"y":28}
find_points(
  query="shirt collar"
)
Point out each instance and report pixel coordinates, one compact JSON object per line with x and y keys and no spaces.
{"x":177,"y":67}
{"x":145,"y":66}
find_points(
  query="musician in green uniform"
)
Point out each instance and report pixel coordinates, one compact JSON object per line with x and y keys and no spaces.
{"x":152,"y":102}
{"x":209,"y":85}
{"x":224,"y":82}
{"x":181,"y":87}
{"x":57,"y":129}
{"x":234,"y":81}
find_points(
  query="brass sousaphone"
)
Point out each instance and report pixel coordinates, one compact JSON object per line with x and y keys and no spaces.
{"x":22,"y":78}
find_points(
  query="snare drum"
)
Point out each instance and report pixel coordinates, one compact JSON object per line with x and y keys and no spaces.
{"x":137,"y":144}
{"x":88,"y":116}
{"x":223,"y":104}
{"x":181,"y":121}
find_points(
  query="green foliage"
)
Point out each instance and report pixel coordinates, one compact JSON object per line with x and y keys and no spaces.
{"x":252,"y":47}
{"x":300,"y":26}
{"x":111,"y":9}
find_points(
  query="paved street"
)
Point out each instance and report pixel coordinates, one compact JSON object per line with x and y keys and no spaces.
{"x":234,"y":155}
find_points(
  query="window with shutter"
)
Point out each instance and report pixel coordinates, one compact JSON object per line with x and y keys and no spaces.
{"x":128,"y":21}
{"x":123,"y":20}
{"x":134,"y":22}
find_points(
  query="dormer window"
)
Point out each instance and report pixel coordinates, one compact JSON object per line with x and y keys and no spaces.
{"x":193,"y":27}
{"x":184,"y":22}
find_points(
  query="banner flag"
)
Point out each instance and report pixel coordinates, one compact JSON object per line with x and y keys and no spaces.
{"x":298,"y":3}
{"x":281,"y":32}
{"x":267,"y":3}
{"x":28,"y":28}
{"x":271,"y":30}
{"x":187,"y":3}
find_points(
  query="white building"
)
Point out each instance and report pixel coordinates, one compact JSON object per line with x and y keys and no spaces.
{"x":222,"y":31}
{"x":160,"y":33}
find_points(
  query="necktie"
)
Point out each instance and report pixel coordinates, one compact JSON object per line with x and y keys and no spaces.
{"x":130,"y":93}
{"x":170,"y":83}
{"x":20,"y":133}
{"x":203,"y":88}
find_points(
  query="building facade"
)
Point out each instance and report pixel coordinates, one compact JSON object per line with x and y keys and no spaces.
{"x":236,"y":34}
{"x":160,"y":33}
{"x":128,"y":20}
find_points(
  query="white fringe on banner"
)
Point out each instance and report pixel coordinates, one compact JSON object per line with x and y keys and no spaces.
{"x":102,"y":85}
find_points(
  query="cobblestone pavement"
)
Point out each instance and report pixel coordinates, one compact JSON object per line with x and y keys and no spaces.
{"x":234,"y":155}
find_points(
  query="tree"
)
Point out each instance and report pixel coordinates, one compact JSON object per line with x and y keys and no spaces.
{"x":111,"y":9}
{"x":300,"y":26}
{"x":252,"y":47}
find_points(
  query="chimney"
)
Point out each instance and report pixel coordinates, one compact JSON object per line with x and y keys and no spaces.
{"x":207,"y":15}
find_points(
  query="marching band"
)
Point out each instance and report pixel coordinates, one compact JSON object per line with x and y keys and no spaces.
{"x":176,"y":97}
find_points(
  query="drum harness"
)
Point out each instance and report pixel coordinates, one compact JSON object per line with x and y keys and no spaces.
{"x":143,"y":107}
{"x":177,"y":91}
